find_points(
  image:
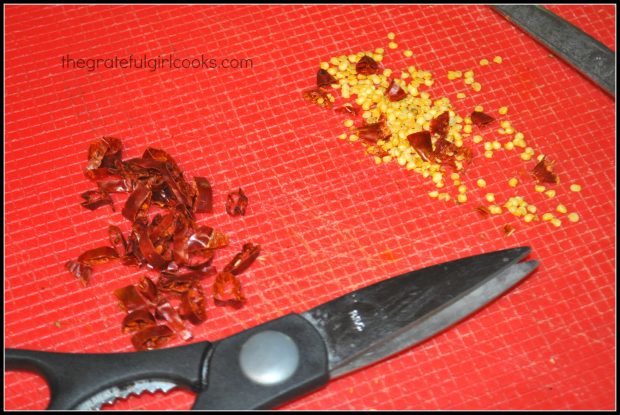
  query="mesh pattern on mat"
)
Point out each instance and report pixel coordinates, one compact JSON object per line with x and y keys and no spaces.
{"x":329,"y":220}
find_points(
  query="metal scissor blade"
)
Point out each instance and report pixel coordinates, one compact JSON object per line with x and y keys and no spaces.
{"x":374,"y":322}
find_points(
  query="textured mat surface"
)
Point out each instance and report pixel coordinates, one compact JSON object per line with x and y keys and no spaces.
{"x":329,"y":220}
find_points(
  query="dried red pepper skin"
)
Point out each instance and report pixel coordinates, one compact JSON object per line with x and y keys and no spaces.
{"x":105,"y":152}
{"x":374,"y":132}
{"x":480,"y":119}
{"x":422,"y":144}
{"x":138,"y":201}
{"x":236,"y":203}
{"x":94,"y":199}
{"x":227,"y":288}
{"x":440,"y":124}
{"x":129,"y":299}
{"x":243,"y":259}
{"x":99,"y":255}
{"x":81,"y":271}
{"x":205,"y":237}
{"x":367,"y":66}
{"x":165,"y":311}
{"x":317,"y":96}
{"x":324,"y":79}
{"x":137,"y":320}
{"x":177,"y":284}
{"x":151,"y":338}
{"x":348,"y":109}
{"x":204,"y":200}
{"x":394,"y":92}
{"x":147,"y":288}
{"x":193,"y":305}
{"x":543,"y":172}
{"x":148,"y":250}
{"x":117,"y":240}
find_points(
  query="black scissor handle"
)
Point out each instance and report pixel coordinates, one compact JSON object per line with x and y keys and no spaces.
{"x":74,"y":377}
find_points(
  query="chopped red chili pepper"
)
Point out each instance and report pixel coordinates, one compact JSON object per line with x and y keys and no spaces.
{"x":81,"y":271}
{"x":193,"y":305}
{"x":483,"y":210}
{"x":165,"y":311}
{"x":137,"y":202}
{"x":508,"y":229}
{"x":177,"y":284}
{"x":138,"y":320}
{"x":227,"y":288}
{"x":441,"y":124}
{"x":348,"y":109}
{"x":153,"y":258}
{"x":422,"y":144}
{"x":371,"y":133}
{"x":129,"y":299}
{"x":236,"y":203}
{"x":105,"y":152}
{"x":204,"y":201}
{"x":543,"y":172}
{"x":147,"y":288}
{"x":206,"y":237}
{"x":151,"y":338}
{"x":94,"y":199}
{"x":480,"y":119}
{"x":243,"y":259}
{"x":324,"y":79}
{"x":317,"y":96}
{"x":367,"y":66}
{"x":395,"y":92}
{"x":117,"y":240}
{"x":99,"y":255}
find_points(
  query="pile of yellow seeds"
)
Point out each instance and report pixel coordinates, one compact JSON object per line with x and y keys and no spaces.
{"x":414,"y":114}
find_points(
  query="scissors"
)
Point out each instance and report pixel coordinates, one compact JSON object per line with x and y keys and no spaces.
{"x":272,"y":363}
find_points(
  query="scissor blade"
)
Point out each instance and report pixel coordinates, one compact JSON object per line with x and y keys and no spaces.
{"x":377,"y":321}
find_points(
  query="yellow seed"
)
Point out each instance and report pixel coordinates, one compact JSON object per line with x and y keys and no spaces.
{"x":377,"y":160}
{"x":476,"y":86}
{"x":437,"y":177}
{"x":460,"y":95}
{"x":509,"y":145}
{"x":526,"y":156}
{"x":484,"y":62}
{"x":530,"y":151}
{"x":556,"y":222}
{"x":575,"y":188}
{"x":348,"y":123}
{"x":353,"y":137}
{"x":469,"y":81}
{"x":498,"y":59}
{"x":467,"y":129}
{"x":461,"y":198}
{"x":496,"y":145}
{"x":490,"y":197}
{"x":531,"y":208}
{"x":519,"y":136}
{"x":324,"y":65}
{"x":488,"y":154}
{"x":391,"y":35}
{"x":528,"y":217}
{"x":469,"y":74}
{"x":481,"y":183}
{"x":454,"y":176}
{"x":488,"y":146}
{"x":505,"y":124}
{"x":392,"y":45}
{"x":462,"y":189}
{"x":547,"y":216}
{"x":477,"y":139}
{"x":433,"y":193}
{"x":539,"y":188}
{"x":503,"y":110}
{"x":342,"y":136}
{"x":513,"y":182}
{"x":561,"y":208}
{"x":550,"y":193}
{"x":573,"y":217}
{"x":408,"y":53}
{"x":478,"y":108}
{"x":387,"y":159}
{"x":540,"y":157}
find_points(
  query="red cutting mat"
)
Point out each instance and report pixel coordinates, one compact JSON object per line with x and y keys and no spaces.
{"x":329,"y":220}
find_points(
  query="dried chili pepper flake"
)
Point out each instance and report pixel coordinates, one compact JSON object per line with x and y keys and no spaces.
{"x":81,"y":271}
{"x":99,"y":255}
{"x":317,"y":96}
{"x":480,"y":119}
{"x":243,"y":259}
{"x":193,"y":305}
{"x":117,"y":240}
{"x":177,"y":284}
{"x":236,"y":203}
{"x":543,"y":172}
{"x":165,"y":311}
{"x":348,"y":109}
{"x":367,"y":66}
{"x":483,"y":210}
{"x":324,"y":79}
{"x":151,"y":338}
{"x":139,"y":200}
{"x":441,"y":124}
{"x":163,"y":229}
{"x":104,"y":152}
{"x":227,"y":288}
{"x":137,"y":320}
{"x":129,"y":299}
{"x":147,"y":288}
{"x":148,"y":250}
{"x":205,"y":237}
{"x":422,"y":144}
{"x":204,"y":200}
{"x":374,"y":132}
{"x":508,"y":229}
{"x":395,"y":92}
{"x":94,"y":199}
{"x":200,"y":259}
